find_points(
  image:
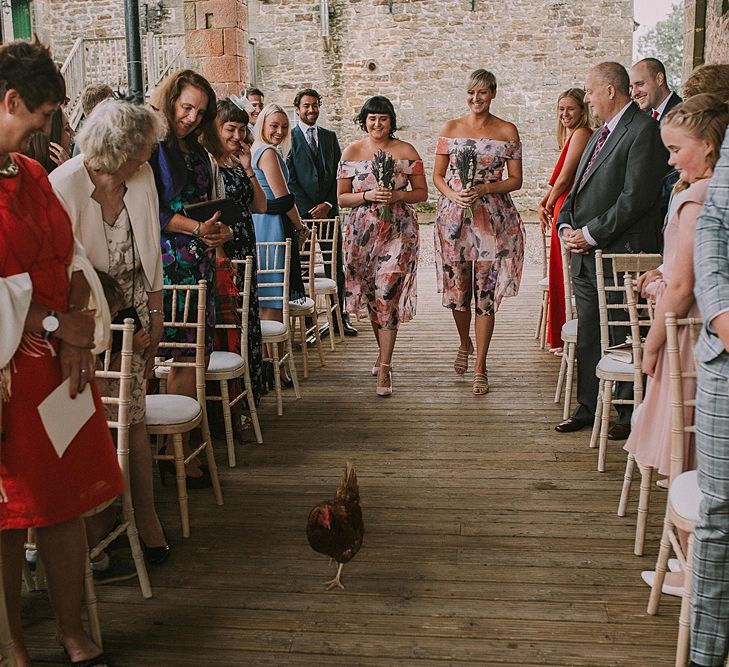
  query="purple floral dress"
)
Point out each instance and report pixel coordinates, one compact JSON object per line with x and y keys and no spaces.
{"x":381,"y":257}
{"x":494,"y":236}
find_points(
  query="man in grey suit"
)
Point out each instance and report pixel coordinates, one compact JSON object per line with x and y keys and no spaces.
{"x":613,"y":206}
{"x":710,"y":585}
{"x":312,"y":164}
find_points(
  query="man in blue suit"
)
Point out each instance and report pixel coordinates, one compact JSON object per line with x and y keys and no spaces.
{"x":312,"y":163}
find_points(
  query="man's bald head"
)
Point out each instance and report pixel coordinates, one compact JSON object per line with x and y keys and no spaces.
{"x":615,"y":75}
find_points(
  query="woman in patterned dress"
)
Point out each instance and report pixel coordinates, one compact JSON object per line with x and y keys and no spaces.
{"x":478,"y":258}
{"x":185,"y":173}
{"x":381,"y":256}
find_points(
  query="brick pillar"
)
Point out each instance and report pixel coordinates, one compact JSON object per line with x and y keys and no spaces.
{"x":216,"y":42}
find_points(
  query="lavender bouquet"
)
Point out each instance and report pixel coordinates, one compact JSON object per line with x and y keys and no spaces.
{"x":383,"y":168}
{"x":466,"y":165}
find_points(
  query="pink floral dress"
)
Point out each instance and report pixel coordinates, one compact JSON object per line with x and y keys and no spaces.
{"x":484,"y":255}
{"x":381,"y":257}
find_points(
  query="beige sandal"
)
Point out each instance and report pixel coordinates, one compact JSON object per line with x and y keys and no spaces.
{"x":460,"y":365}
{"x":480,"y":384}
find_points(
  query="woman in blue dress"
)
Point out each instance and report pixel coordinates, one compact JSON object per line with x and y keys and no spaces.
{"x":281,"y":220}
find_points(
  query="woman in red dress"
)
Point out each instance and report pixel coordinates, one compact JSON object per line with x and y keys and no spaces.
{"x":41,"y":489}
{"x":573,"y":133}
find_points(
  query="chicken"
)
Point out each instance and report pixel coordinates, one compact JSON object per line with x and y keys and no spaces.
{"x":335,"y":527}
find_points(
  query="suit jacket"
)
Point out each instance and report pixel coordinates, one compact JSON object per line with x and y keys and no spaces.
{"x":309,"y":182}
{"x":619,"y":203}
{"x":73,"y":187}
{"x":711,"y":257}
{"x":673,"y":100}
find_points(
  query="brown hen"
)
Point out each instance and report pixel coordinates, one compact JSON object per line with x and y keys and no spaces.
{"x":335,"y":527}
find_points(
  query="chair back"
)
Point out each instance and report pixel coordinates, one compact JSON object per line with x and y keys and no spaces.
{"x":681,"y":404}
{"x":246,"y":267}
{"x":308,"y":261}
{"x":634,"y":306}
{"x":544,"y":248}
{"x":274,"y":263}
{"x":569,"y":301}
{"x":188,"y":311}
{"x":327,"y":232}
{"x":610,"y":270}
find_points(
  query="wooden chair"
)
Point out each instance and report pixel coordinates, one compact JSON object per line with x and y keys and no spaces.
{"x":327,"y":232}
{"x":7,"y":655}
{"x":225,"y":366}
{"x":300,"y":311}
{"x":612,"y":311}
{"x":275,"y":270}
{"x":684,"y":495}
{"x":569,"y":338}
{"x":174,"y":414}
{"x":540,"y":333}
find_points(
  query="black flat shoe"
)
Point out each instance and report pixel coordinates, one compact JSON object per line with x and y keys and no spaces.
{"x":570,"y":425}
{"x":204,"y":481}
{"x":619,"y":432}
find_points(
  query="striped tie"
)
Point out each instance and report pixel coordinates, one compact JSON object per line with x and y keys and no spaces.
{"x":598,"y":147}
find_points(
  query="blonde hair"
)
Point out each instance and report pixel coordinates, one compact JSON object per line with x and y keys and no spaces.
{"x":481,"y":77}
{"x":261,"y":138}
{"x":578,"y":95}
{"x":703,"y":116}
{"x":712,"y":78}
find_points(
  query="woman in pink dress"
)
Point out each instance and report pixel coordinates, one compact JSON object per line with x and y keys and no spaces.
{"x":479,"y":257}
{"x":381,"y":256}
{"x":573,"y":133}
{"x":692,"y":132}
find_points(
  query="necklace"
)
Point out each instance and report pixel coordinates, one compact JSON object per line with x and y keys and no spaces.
{"x":10,"y":170}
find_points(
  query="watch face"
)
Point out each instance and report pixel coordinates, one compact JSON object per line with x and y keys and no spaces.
{"x":50,"y":323}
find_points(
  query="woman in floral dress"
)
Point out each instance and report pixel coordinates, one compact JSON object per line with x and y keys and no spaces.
{"x":381,"y":256}
{"x":480,"y":256}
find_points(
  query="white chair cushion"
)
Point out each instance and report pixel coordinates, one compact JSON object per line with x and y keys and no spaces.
{"x":170,"y":409}
{"x":306,"y":305}
{"x":319,"y":271}
{"x":544,"y":283}
{"x":161,"y":372}
{"x":685,"y":495}
{"x":224,"y":362}
{"x":569,"y":329}
{"x":324,"y":285}
{"x":609,"y":364}
{"x":273,"y":328}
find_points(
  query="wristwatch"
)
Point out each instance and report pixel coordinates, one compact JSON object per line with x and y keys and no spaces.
{"x":50,"y":324}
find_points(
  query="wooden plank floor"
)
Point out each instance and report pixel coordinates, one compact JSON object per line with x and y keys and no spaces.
{"x":490,"y":539}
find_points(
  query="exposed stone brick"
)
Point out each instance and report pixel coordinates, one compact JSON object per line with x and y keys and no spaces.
{"x":204,"y":42}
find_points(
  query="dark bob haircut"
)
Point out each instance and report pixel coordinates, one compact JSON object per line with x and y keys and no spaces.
{"x":28,"y":68}
{"x":230,"y":112}
{"x":377,"y":105}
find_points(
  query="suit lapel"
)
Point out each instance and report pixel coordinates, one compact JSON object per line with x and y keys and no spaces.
{"x":585,"y":159}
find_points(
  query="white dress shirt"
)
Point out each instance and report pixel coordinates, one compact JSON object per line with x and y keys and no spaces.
{"x":661,"y":108}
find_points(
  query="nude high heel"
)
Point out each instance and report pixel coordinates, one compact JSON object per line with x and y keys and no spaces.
{"x":385,"y":391}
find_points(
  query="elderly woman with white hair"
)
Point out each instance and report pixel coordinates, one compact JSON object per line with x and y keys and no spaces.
{"x":109,"y":193}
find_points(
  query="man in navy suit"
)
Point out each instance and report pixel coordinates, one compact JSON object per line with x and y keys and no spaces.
{"x":312,"y":164}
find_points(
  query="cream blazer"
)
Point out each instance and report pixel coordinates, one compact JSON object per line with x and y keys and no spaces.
{"x":73,"y":186}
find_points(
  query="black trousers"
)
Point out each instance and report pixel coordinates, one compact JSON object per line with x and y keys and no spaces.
{"x":326,"y":246}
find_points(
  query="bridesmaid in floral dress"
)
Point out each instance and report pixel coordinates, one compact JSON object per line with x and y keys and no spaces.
{"x":381,"y":256}
{"x":481,"y":256}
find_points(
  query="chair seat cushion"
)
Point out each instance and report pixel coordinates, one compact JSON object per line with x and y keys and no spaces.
{"x":324,"y":285}
{"x":224,"y":362}
{"x":299,"y":306}
{"x":171,"y":409}
{"x":273,"y":328}
{"x":569,"y":330}
{"x":544,"y":283}
{"x":685,"y":495}
{"x":611,"y":366}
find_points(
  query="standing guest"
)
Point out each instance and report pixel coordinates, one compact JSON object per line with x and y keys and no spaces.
{"x":710,"y":585}
{"x":281,"y":220}
{"x":43,"y":490}
{"x":54,"y":148}
{"x":233,"y":156}
{"x":712,"y":78}
{"x":649,"y":88}
{"x":573,"y":133}
{"x":255,"y":99}
{"x":479,"y":256}
{"x":185,"y":173}
{"x":312,"y":165}
{"x":381,"y":256}
{"x":93,"y":94}
{"x":613,"y":206}
{"x":109,"y":193}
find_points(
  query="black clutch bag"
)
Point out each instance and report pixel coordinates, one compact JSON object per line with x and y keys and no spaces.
{"x":230,"y":211}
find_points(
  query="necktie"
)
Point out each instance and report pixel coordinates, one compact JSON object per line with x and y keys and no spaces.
{"x":311,"y":139}
{"x":654,"y":114}
{"x":602,"y":138}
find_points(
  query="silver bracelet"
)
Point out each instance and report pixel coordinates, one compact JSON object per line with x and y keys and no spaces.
{"x":153,"y":311}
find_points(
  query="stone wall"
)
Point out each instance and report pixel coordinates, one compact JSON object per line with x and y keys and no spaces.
{"x":420,"y":54}
{"x":716,"y":35}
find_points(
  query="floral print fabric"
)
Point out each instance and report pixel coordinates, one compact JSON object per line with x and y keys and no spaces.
{"x":381,"y":257}
{"x":485,"y":254}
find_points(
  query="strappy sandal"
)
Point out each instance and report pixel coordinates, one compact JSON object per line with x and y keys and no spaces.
{"x":385,"y":391}
{"x":376,"y":369}
{"x":480,"y":384}
{"x":460,"y":365}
